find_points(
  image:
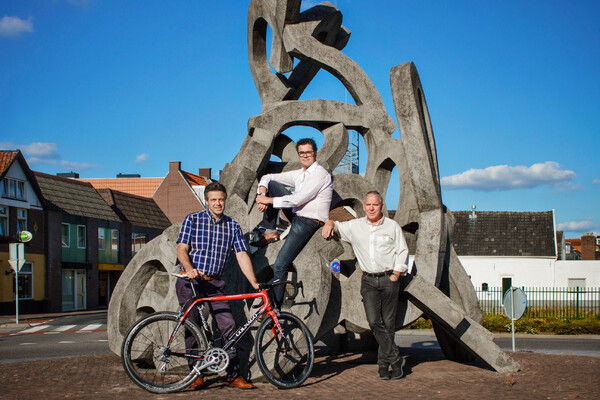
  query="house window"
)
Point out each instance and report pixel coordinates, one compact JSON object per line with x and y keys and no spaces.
{"x":25,"y":282}
{"x":66,"y":237}
{"x":81,"y":236}
{"x":137,"y":241}
{"x":13,"y":189}
{"x":114,"y":240}
{"x":101,"y":244}
{"x":576,"y":283}
{"x":484,"y":287}
{"x":4,"y":221}
{"x":567,"y":247}
{"x":21,"y":219}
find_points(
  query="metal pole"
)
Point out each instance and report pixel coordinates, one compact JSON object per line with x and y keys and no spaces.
{"x":17,"y":295}
{"x":512,"y":316}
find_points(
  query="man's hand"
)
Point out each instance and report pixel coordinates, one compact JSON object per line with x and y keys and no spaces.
{"x":192,"y":273}
{"x":394,"y":277}
{"x":263,"y":202}
{"x":327,"y":231}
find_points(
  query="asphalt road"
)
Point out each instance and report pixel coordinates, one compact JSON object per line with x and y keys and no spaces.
{"x":85,"y":334}
{"x":67,"y":336}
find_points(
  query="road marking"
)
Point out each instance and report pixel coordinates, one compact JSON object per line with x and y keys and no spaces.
{"x":35,"y":329}
{"x":90,"y":327}
{"x":66,"y":341}
{"x":26,"y":344}
{"x":63,"y":328}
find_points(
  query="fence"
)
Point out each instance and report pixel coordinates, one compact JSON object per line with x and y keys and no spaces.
{"x":567,"y":303}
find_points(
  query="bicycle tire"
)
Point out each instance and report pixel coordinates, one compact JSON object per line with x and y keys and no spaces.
{"x":285,"y":363}
{"x":145,"y":360}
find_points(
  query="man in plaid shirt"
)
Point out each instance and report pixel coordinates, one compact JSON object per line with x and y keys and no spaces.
{"x":203,"y":248}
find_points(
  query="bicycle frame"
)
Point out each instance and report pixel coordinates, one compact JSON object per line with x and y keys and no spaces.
{"x":265,"y":308}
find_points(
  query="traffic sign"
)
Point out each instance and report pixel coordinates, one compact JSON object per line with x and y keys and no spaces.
{"x":518,"y":297}
{"x":16,"y":256}
{"x":24,"y":236}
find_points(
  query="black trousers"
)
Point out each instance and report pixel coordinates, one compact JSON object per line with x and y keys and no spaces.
{"x":219,"y":310}
{"x":380,"y":299}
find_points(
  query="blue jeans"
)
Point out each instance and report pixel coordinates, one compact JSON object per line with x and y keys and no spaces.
{"x":300,"y":233}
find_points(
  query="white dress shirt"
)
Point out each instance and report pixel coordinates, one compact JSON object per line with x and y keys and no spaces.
{"x":378,"y":248}
{"x":313,"y":190}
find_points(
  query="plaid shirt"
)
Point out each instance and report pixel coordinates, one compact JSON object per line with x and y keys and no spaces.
{"x":211,"y":242}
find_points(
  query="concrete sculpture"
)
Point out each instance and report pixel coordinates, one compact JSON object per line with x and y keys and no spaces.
{"x":439,"y":286}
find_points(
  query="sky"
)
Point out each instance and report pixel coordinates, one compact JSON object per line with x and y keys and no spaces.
{"x":105,"y":87}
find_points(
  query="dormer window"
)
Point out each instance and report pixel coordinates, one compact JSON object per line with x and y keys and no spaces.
{"x":13,"y":189}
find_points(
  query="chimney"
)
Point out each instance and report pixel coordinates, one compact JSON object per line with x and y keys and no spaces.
{"x":174,"y":166}
{"x":205,"y":172}
{"x":588,"y":246}
{"x":68,"y":174}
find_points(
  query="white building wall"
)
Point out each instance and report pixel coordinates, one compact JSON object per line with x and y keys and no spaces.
{"x":529,"y":272}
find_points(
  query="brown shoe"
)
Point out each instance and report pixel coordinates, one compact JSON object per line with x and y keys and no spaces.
{"x":265,"y":239}
{"x":240,"y":383}
{"x":198,"y":383}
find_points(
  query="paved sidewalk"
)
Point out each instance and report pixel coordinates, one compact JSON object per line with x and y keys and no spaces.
{"x":335,"y":375}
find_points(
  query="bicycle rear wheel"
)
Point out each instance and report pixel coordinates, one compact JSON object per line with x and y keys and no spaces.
{"x":154,"y":364}
{"x":285,"y":361}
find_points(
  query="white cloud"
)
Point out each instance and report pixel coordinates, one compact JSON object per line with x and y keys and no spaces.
{"x":577,"y":226}
{"x":504,"y":177}
{"x":41,"y":150}
{"x":596,"y":181}
{"x":77,"y":166}
{"x":15,"y":26}
{"x":142,"y":157}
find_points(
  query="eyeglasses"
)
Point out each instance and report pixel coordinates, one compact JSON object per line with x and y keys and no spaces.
{"x":305,"y":153}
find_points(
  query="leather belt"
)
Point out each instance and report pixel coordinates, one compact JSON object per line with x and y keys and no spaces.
{"x":207,"y":277}
{"x":378,"y":274}
{"x":316,"y":220}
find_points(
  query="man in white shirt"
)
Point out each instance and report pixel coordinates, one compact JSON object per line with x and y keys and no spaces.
{"x":307,"y":208}
{"x":381,"y":251}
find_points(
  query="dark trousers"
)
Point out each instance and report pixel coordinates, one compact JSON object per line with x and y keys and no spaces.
{"x":220,"y":311}
{"x":300,"y":233}
{"x":380,"y":299}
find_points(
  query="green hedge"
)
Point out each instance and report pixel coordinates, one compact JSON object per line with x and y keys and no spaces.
{"x":501,"y":323}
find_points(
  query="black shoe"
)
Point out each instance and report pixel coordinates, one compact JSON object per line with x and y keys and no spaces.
{"x":384,"y":372}
{"x":397,"y":371}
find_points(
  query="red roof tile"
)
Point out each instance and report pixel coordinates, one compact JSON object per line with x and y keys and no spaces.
{"x":144,"y":187}
{"x":6,"y":158}
{"x":193,"y":179}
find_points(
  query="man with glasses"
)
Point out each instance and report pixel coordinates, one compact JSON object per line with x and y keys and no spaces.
{"x":307,"y":208}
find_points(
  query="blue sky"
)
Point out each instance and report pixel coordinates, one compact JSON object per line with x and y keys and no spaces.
{"x":513,"y":90}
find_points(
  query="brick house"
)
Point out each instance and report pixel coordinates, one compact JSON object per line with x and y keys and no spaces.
{"x":21,"y":208}
{"x":82,"y":232}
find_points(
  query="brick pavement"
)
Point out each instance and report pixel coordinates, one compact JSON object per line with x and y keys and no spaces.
{"x":335,"y":375}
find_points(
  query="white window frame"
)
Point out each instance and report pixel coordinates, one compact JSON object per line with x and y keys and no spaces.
{"x":84,"y":237}
{"x":68,"y":235}
{"x":10,"y":189}
{"x":112,"y":240}
{"x":101,"y":236}
{"x":136,"y":242}
{"x":23,"y":217}
{"x":4,"y":218}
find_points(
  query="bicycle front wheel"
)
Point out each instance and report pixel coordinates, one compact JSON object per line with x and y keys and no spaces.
{"x":157,"y":365}
{"x":285,"y":361}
